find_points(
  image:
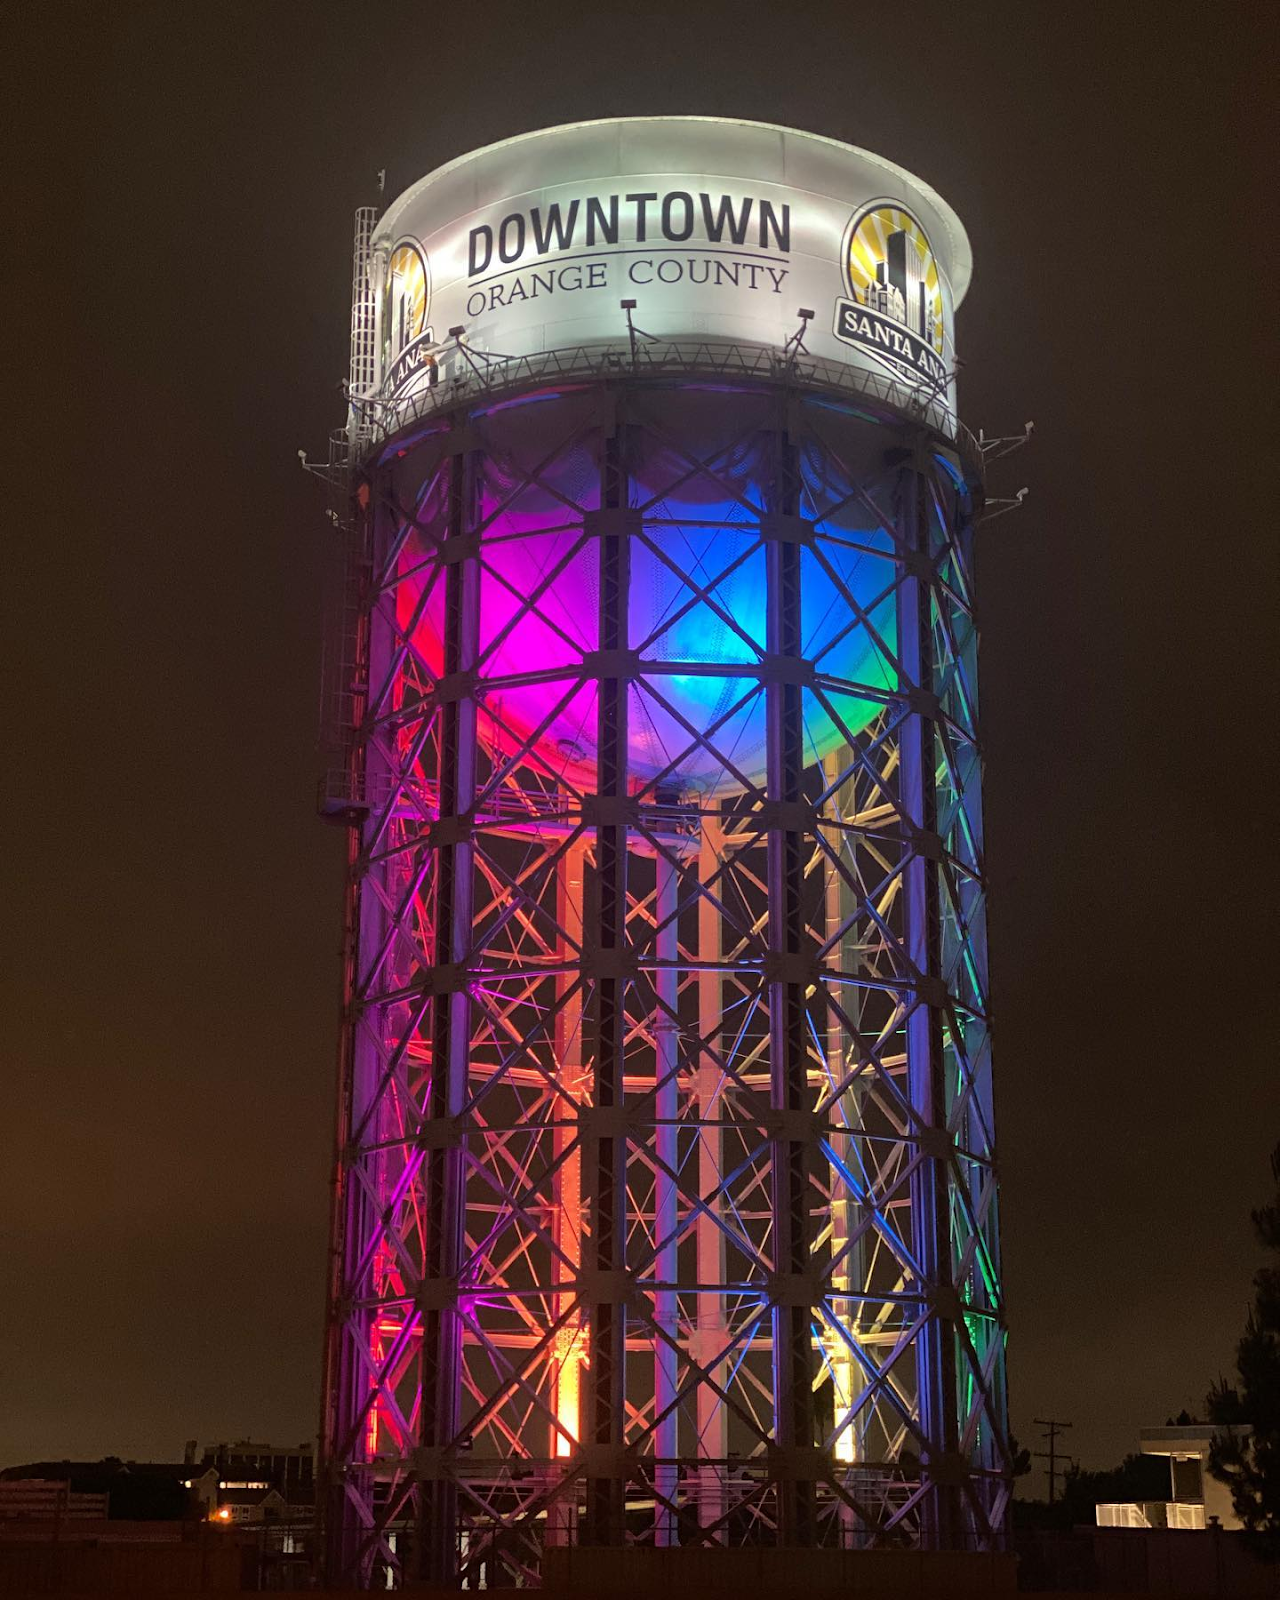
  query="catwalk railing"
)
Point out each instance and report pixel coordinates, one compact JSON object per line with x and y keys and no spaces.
{"x":463,"y":374}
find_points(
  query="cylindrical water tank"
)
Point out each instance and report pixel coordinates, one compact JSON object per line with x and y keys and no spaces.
{"x":775,"y":240}
{"x":715,"y":229}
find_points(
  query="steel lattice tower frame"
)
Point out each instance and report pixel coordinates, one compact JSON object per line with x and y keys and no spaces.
{"x":665,"y":1205}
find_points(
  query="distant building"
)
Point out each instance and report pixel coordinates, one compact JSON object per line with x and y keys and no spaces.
{"x":47,"y":1500}
{"x":202,"y":1484}
{"x":1196,"y":1498}
{"x":290,"y":1469}
{"x":129,"y":1490}
{"x":249,"y":1503}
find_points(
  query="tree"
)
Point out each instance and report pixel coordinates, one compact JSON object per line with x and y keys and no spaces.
{"x":1138,"y":1477}
{"x":1248,"y":1462}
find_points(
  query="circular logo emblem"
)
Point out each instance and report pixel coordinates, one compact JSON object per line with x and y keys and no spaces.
{"x":407,"y":298}
{"x":889,"y":267}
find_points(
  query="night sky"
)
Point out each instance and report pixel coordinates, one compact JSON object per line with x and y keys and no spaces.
{"x":177,"y":274}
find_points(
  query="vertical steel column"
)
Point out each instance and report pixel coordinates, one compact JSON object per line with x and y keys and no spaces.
{"x":341,"y":1400}
{"x":605,"y":1148}
{"x":443,"y":1137}
{"x":347,"y":1497}
{"x":666,"y":1202}
{"x":709,"y":1333}
{"x":977,"y":1131}
{"x":785,"y":975}
{"x":847,"y":1278}
{"x":566,"y":1219}
{"x":926,"y":1078}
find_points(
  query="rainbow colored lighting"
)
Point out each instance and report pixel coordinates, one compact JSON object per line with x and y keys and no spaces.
{"x":697,"y":600}
{"x":667,"y":1198}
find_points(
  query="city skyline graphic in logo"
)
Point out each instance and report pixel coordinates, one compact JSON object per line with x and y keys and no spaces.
{"x":895,"y":309}
{"x":405,"y":333}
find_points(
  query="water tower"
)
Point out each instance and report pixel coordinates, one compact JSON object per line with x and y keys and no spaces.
{"x":665,"y":1210}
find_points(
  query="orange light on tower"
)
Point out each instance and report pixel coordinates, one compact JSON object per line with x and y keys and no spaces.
{"x":568,"y":1358}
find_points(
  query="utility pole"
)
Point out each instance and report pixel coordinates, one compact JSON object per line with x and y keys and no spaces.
{"x":1052,"y":1429}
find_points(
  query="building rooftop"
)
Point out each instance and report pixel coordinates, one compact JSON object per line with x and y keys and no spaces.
{"x":1192,"y":1438}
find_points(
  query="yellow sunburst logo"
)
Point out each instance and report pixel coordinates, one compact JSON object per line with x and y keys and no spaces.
{"x":408,"y":292}
{"x":890,"y":268}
